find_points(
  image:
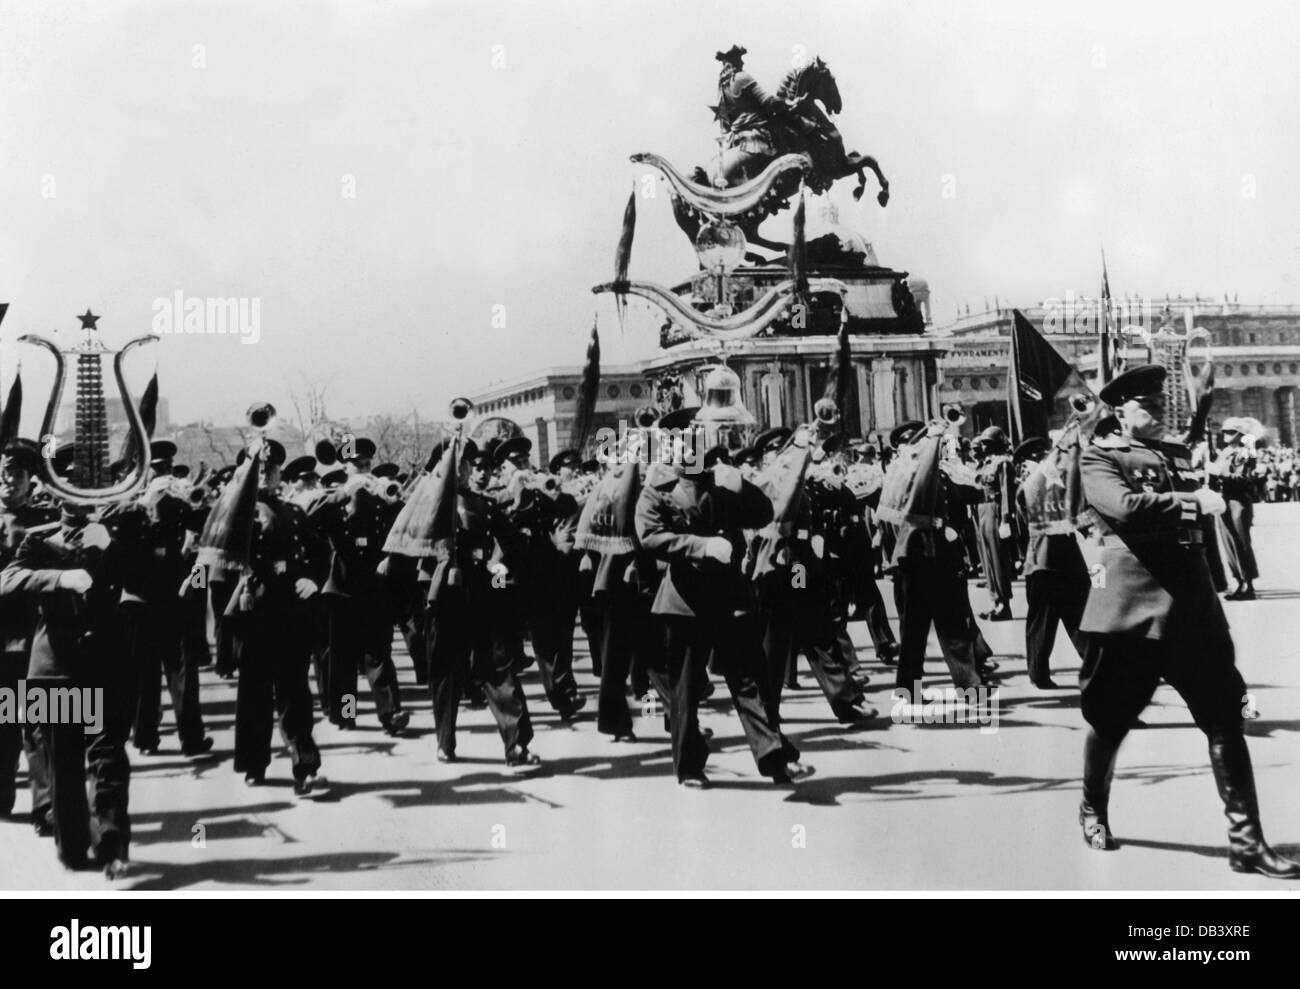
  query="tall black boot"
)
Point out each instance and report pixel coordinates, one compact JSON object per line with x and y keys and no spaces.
{"x":1247,"y":850}
{"x":1098,"y":769}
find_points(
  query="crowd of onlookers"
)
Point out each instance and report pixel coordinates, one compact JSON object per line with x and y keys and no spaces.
{"x":1278,"y":471}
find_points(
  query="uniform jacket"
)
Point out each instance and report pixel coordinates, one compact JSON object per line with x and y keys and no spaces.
{"x":676,"y":518}
{"x":75,"y":634}
{"x":356,"y":529}
{"x":1154,"y":573}
{"x":484,"y":537}
{"x":284,"y":551}
{"x":18,"y":613}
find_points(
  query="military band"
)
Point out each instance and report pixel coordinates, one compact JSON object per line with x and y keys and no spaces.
{"x":739,"y":562}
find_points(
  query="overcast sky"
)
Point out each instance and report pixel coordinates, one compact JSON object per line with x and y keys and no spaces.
{"x":134,"y":164}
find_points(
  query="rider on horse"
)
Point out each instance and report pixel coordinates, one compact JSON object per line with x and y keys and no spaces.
{"x":745,"y":111}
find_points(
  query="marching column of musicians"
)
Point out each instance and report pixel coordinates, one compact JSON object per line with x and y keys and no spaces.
{"x":677,"y":563}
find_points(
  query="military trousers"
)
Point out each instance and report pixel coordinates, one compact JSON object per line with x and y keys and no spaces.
{"x":736,"y":645}
{"x":463,"y":650}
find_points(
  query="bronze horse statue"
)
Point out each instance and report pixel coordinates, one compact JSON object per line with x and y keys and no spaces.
{"x":806,"y":129}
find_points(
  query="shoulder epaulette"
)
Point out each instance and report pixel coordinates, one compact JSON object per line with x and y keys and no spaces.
{"x":1115,"y":441}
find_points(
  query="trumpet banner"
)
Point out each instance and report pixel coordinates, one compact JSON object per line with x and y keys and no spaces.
{"x":608,"y":520}
{"x":226,"y":541}
{"x":910,"y":492}
{"x":783,"y":483}
{"x":1053,"y":491}
{"x":425,"y":525}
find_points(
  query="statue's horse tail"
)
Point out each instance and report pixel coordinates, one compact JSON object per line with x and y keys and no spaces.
{"x":731,"y":201}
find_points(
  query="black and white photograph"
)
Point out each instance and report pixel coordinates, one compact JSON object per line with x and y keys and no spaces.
{"x":580,"y":448}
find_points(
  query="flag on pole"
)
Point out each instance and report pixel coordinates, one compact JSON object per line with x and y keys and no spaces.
{"x":1109,"y":360}
{"x":1038,"y":372}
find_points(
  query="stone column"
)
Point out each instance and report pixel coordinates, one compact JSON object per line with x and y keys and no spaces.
{"x":882,"y":394}
{"x":1286,"y":416}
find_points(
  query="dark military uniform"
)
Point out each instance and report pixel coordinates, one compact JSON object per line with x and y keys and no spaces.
{"x":361,"y":610}
{"x":18,"y":618}
{"x":269,"y":623}
{"x":801,"y":601}
{"x":1056,"y":582}
{"x":77,"y":644}
{"x":930,"y":588}
{"x":1156,"y":615}
{"x":152,"y":614}
{"x":462,"y":607}
{"x":548,"y":589}
{"x":705,"y":608}
{"x":995,"y":510}
{"x":621,"y":580}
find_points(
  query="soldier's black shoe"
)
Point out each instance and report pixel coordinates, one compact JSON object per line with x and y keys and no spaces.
{"x":695,"y":781}
{"x":861,"y":711}
{"x":1001,"y":614}
{"x":7,"y":803}
{"x":625,"y":736}
{"x":1096,"y":831}
{"x":198,"y":751}
{"x":396,"y":723}
{"x":888,"y":654}
{"x":569,"y":709}
{"x":255,"y":779}
{"x":445,"y":756}
{"x":1247,"y":850}
{"x":522,"y":761}
{"x":792,"y":772}
{"x":147,"y":749}
{"x":1099,"y":756}
{"x":42,"y":824}
{"x":311,"y":787}
{"x":1264,"y":862}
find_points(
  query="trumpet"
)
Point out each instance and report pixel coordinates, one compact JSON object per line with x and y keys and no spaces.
{"x":1082,"y":403}
{"x":646,"y":416}
{"x":954,"y":414}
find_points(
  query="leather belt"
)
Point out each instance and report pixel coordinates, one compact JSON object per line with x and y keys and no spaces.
{"x":1182,"y":537}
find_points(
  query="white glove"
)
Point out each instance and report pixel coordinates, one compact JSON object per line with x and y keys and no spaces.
{"x":95,"y":536}
{"x":1211,"y":502}
{"x":305,"y":587}
{"x":718,"y":549}
{"x":75,"y":580}
{"x":727,"y":477}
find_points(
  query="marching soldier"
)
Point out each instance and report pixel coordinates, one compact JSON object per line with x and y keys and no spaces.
{"x":72,"y":574}
{"x":1157,"y":615}
{"x":355,"y":520}
{"x":267,"y":616}
{"x":1056,"y":577}
{"x":1234,"y":472}
{"x":548,"y":579}
{"x":793,"y":575}
{"x":623,"y":580}
{"x":18,"y":617}
{"x":694,"y":522}
{"x":468,"y":571}
{"x":994,"y":522}
{"x":929,"y":582}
